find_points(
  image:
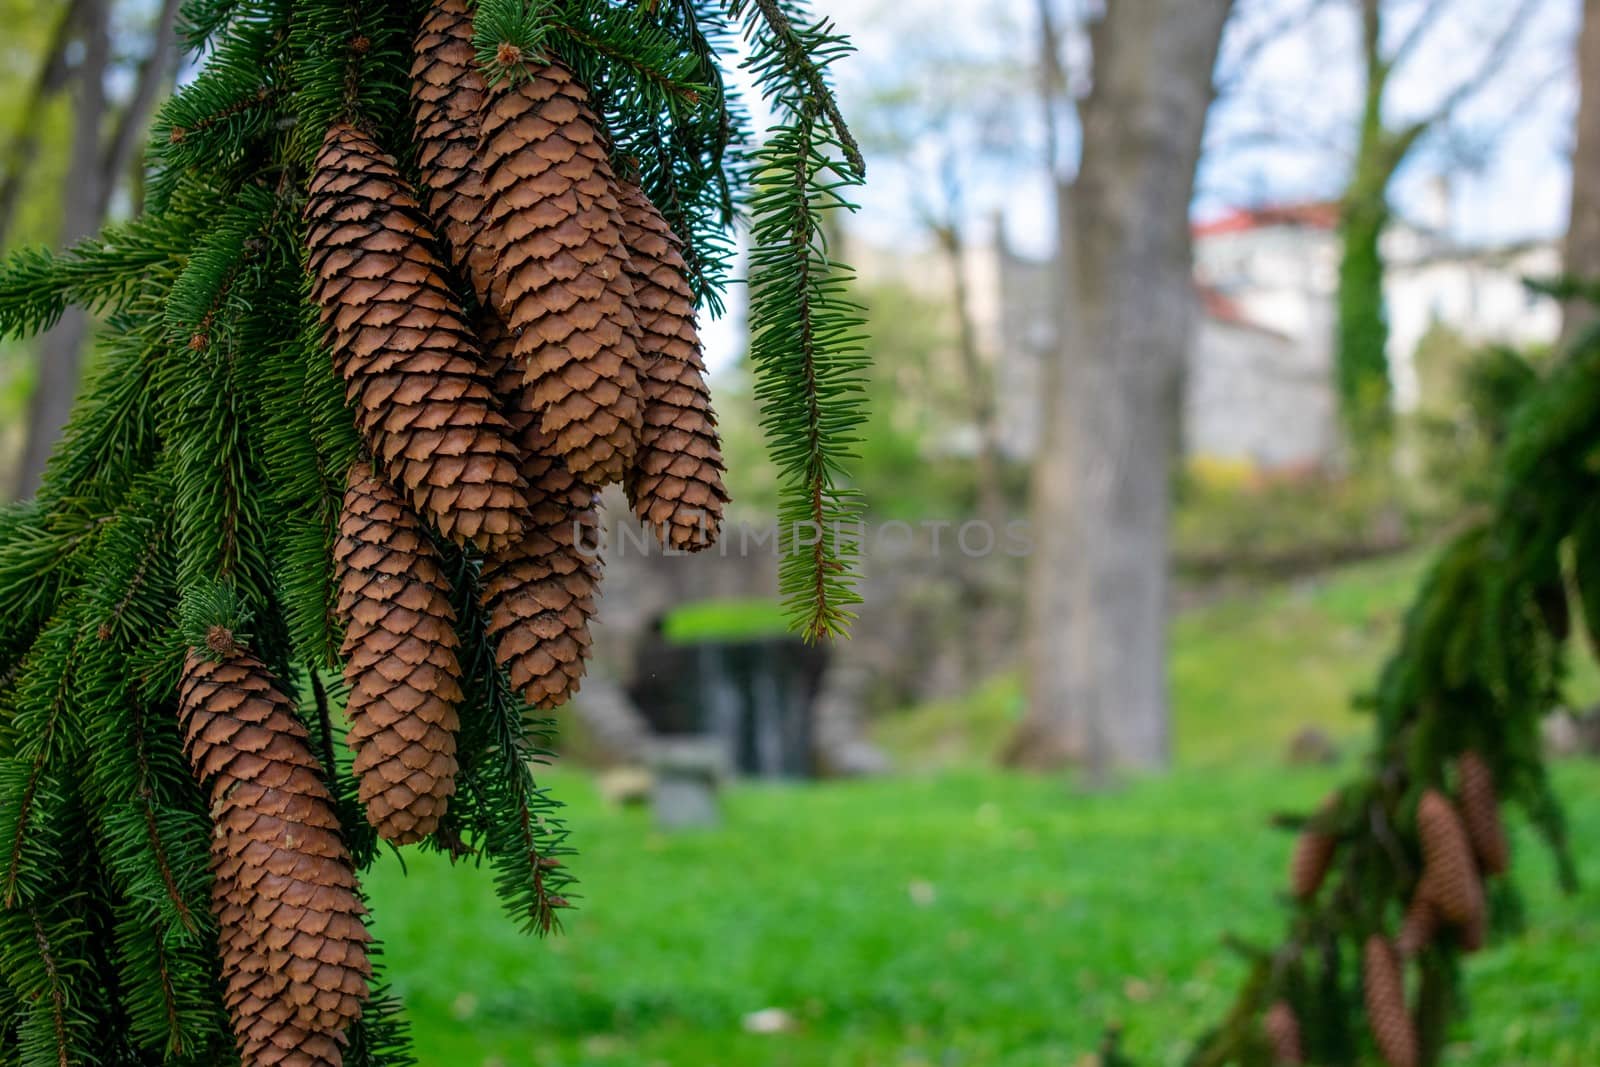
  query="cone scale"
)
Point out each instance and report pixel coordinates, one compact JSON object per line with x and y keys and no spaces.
{"x":292,"y":942}
{"x":400,"y":649}
{"x":411,"y":362}
{"x":675,"y":486}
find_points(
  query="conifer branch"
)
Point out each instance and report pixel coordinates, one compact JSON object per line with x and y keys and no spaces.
{"x":158,"y":847}
{"x":58,"y":1000}
{"x":800,"y":52}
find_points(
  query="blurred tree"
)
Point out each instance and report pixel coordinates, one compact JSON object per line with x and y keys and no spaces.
{"x":1583,"y":232}
{"x":948,"y":124}
{"x":105,"y":134}
{"x":1382,"y":147}
{"x":1102,"y":480}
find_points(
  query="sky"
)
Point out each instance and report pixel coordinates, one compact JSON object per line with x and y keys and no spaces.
{"x":1281,"y":132}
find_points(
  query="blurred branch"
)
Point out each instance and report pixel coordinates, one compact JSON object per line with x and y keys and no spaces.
{"x":1053,"y":87}
{"x":153,"y":70}
{"x":1468,"y":87}
{"x":1241,"y":64}
{"x":24,"y":146}
{"x":1419,"y":31}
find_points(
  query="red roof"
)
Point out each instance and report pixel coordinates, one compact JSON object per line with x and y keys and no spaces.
{"x":1317,"y":216}
{"x":1219,"y":307}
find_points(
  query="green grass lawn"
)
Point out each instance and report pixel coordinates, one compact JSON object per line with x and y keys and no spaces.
{"x":964,"y":917}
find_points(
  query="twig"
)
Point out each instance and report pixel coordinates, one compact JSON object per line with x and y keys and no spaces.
{"x":800,"y":62}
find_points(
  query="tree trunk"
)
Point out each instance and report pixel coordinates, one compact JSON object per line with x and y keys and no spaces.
{"x":1361,"y":347}
{"x":1583,"y":234}
{"x":1102,"y":481}
{"x":61,"y":349}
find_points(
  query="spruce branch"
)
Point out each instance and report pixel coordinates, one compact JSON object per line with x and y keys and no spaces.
{"x":805,"y":331}
{"x":807,"y":54}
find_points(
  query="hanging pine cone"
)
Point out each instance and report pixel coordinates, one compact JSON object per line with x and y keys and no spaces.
{"x":293,"y":946}
{"x":1480,"y":813}
{"x":1418,"y":926}
{"x":1283,"y":1034}
{"x":268,"y":1033}
{"x":1310,"y":861}
{"x":448,"y":90}
{"x":1313,"y":853}
{"x":1449,"y":875}
{"x":675,"y":485}
{"x":555,"y":229}
{"x":541,"y":592}
{"x":1384,"y":989}
{"x":400,"y":651}
{"x":410,"y":362}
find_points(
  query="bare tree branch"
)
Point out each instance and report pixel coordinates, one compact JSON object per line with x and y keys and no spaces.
{"x":24,"y":146}
{"x":1419,"y":31}
{"x":153,"y":71}
{"x":1241,"y":64}
{"x":1468,"y":87}
{"x":1053,"y":87}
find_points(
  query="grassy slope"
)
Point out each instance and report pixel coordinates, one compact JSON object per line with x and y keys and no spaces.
{"x":967,"y":918}
{"x":1246,"y":674}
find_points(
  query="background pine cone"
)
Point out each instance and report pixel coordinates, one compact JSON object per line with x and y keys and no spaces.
{"x":1383,"y":988}
{"x":675,"y":485}
{"x":555,"y":229}
{"x":1283,"y":1034}
{"x":412,"y":364}
{"x":1449,"y":875}
{"x":1480,"y":813}
{"x":400,"y":651}
{"x":1418,"y":926}
{"x":292,"y":942}
{"x":541,"y":591}
{"x":1309,"y":863}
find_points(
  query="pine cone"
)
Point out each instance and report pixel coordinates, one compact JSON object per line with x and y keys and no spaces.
{"x":540,"y":592}
{"x":448,"y":91}
{"x":555,"y":229}
{"x":1283,"y":1033}
{"x":1418,"y":927}
{"x":268,"y":1034}
{"x":1309,"y":863}
{"x":1384,"y":989}
{"x":410,"y":361}
{"x":1449,"y":875}
{"x":1480,"y":812}
{"x":293,"y":946}
{"x":675,"y":485}
{"x":400,"y":649}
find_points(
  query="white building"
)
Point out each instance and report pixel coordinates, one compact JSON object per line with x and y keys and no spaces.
{"x":1259,"y":385}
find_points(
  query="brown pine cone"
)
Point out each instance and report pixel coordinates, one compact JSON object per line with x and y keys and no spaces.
{"x":400,"y":660}
{"x":448,"y":91}
{"x":1480,"y":813}
{"x":409,"y":360}
{"x":1383,"y":986}
{"x":270,"y":1036}
{"x":1309,"y":863}
{"x":1419,"y":925}
{"x":1283,"y":1034}
{"x":675,"y":484}
{"x":540,"y":592}
{"x":554,"y":226}
{"x":293,"y":946}
{"x":1449,"y":874}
